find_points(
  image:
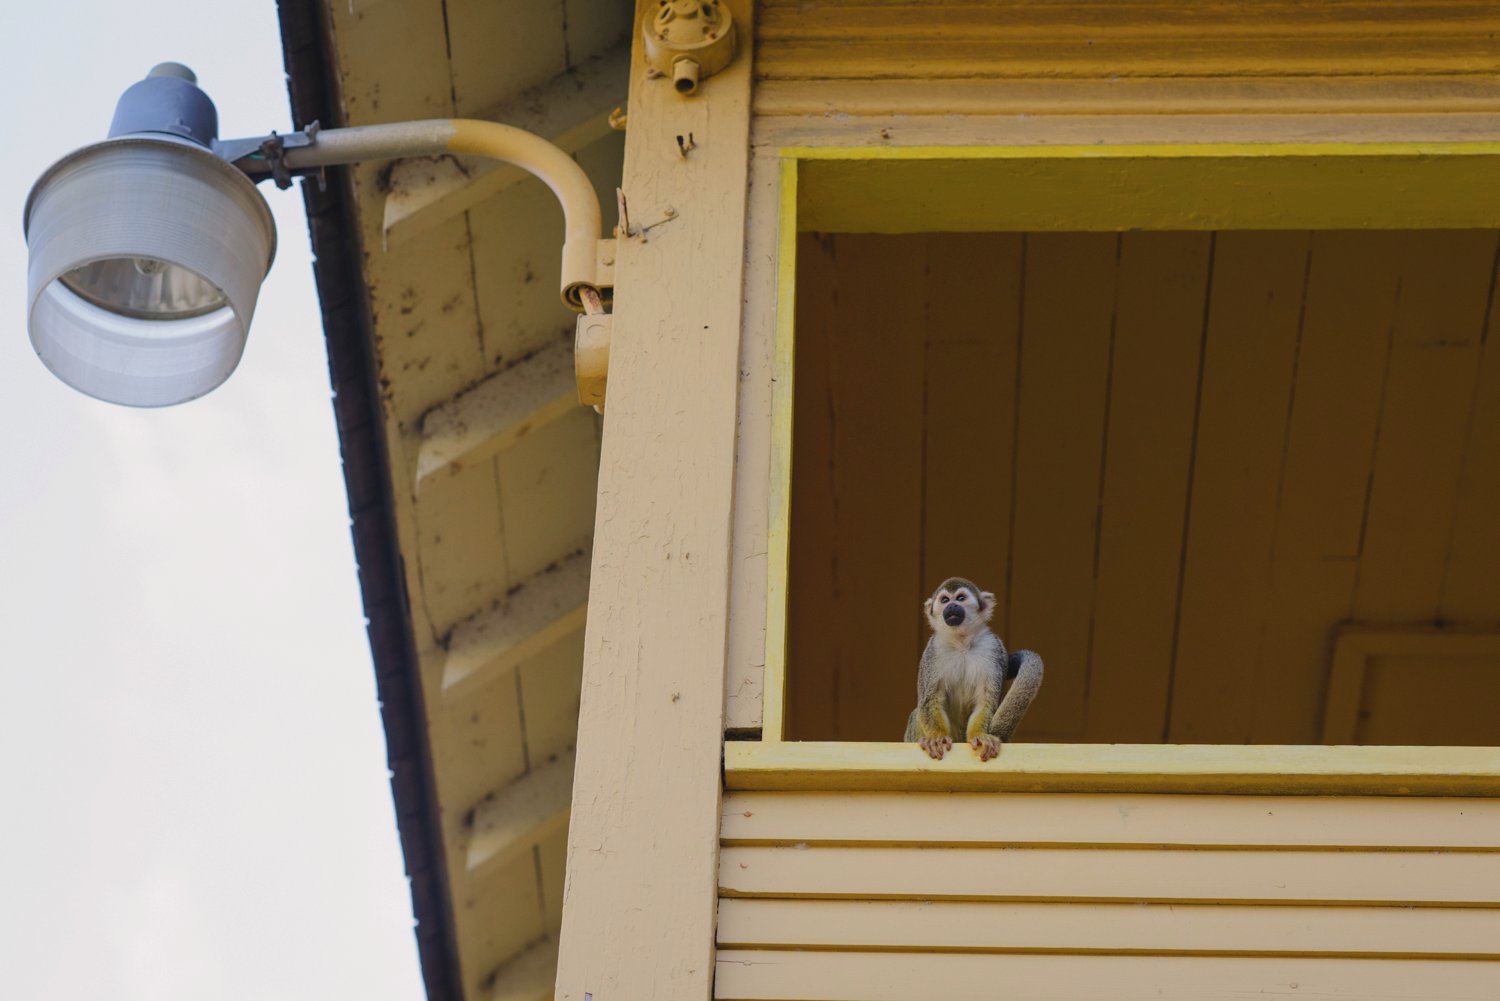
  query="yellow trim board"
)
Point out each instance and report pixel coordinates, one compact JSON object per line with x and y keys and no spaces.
{"x":1115,"y":151}
{"x":778,"y":542}
{"x":1146,"y":768}
{"x":1162,"y":187}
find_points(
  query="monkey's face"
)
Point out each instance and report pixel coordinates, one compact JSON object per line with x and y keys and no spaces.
{"x":958,"y":607}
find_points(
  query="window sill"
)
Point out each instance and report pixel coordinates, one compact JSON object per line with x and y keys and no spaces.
{"x":1159,"y":768}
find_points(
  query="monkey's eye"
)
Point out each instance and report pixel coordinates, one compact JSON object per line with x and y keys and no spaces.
{"x":961,"y":596}
{"x":943,"y":600}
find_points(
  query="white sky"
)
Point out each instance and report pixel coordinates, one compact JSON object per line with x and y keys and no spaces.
{"x":193,"y":795}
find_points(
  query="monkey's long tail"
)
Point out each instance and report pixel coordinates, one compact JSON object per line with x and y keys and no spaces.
{"x":1025,"y":668}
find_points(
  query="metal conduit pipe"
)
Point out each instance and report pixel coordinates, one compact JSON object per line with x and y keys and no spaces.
{"x":465,"y":136}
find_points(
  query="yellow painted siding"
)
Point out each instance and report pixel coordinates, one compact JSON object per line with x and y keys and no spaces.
{"x":1181,"y":460}
{"x":966,"y":39}
{"x":874,"y":895}
{"x":902,"y":73}
{"x":1011,"y":56}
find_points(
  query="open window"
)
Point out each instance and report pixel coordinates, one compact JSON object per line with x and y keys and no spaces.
{"x":1220,"y":427}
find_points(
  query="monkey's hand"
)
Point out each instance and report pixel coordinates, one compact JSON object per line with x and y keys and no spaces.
{"x":987,"y":744}
{"x":936,"y":747}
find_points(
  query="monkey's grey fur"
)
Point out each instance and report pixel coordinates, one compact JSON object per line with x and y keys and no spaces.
{"x":963,"y":671}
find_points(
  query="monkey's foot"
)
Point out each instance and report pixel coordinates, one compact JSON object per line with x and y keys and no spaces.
{"x":936,"y":747}
{"x":987,"y":744}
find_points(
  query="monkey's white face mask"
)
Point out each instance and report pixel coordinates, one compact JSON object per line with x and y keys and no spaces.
{"x":959,"y":613}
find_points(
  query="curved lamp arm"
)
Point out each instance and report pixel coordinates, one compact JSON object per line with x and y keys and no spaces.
{"x":531,"y":153}
{"x":146,"y":251}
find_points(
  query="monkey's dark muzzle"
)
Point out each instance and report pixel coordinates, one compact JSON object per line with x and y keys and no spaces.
{"x":954,"y":615}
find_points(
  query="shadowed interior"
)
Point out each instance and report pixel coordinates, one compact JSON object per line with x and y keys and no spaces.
{"x":1182,"y":461}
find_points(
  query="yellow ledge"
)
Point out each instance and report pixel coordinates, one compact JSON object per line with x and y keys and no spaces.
{"x":1164,"y":768}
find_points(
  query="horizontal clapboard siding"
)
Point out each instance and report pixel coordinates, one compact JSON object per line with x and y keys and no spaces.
{"x":881,"y":895}
{"x":798,"y":976}
{"x":1154,"y":39}
{"x":906,"y":925}
{"x":1066,"y":57}
{"x":1126,"y":874}
{"x":941,"y":819}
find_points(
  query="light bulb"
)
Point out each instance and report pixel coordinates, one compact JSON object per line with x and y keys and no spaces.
{"x":145,"y":288}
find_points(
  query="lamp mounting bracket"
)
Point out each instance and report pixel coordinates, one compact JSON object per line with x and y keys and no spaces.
{"x":261,"y":157}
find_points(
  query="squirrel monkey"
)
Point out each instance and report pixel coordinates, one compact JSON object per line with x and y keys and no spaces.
{"x":963,"y":670}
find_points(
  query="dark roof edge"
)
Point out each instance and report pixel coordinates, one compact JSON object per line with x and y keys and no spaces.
{"x":337,"y":259}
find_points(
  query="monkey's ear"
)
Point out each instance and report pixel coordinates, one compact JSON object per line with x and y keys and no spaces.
{"x":927,"y":608}
{"x":986,"y":600}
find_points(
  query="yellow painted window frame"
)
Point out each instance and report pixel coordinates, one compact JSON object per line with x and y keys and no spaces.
{"x":1099,"y":188}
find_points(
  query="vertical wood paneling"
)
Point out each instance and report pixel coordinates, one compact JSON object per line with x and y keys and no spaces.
{"x":812,"y":659}
{"x":1065,"y":344}
{"x":1353,"y":281}
{"x":854,"y":631}
{"x":877,"y":483}
{"x":1440,"y":315}
{"x":1159,"y":312}
{"x":1256,"y":300}
{"x":1471,"y":586}
{"x":1259,"y":457}
{"x":904,"y":417}
{"x":973,"y":293}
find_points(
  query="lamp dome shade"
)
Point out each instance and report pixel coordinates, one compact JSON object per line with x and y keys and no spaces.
{"x":146,"y":258}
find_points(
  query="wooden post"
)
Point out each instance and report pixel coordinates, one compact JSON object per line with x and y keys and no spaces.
{"x":638,"y":919}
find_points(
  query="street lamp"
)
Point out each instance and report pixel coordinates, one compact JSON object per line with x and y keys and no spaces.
{"x":147,"y":250}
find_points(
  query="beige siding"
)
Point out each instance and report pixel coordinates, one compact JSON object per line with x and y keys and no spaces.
{"x":874,"y":895}
{"x":799,"y":976}
{"x":981,"y":56}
